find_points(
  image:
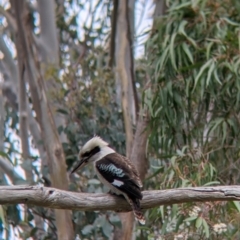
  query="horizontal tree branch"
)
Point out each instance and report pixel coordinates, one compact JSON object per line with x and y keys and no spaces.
{"x":59,"y":199}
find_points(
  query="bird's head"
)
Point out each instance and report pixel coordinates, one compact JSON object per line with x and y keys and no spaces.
{"x":93,"y":150}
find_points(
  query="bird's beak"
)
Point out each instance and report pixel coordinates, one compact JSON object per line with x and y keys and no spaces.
{"x":80,"y":165}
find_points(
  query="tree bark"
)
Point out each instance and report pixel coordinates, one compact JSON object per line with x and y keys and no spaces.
{"x":138,"y":151}
{"x":57,"y":165}
{"x":60,"y":199}
{"x":135,"y":146}
{"x":138,"y":157}
{"x":23,"y":113}
{"x":124,"y":72}
{"x":50,"y":54}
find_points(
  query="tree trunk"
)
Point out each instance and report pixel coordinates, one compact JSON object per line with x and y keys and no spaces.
{"x":56,"y":163}
{"x":125,"y":69}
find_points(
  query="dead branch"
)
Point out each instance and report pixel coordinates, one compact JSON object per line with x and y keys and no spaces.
{"x":60,"y":199}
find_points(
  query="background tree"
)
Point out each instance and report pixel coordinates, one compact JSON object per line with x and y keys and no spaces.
{"x":66,"y":77}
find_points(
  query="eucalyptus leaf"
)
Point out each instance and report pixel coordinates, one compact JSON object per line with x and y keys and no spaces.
{"x":88,"y":229}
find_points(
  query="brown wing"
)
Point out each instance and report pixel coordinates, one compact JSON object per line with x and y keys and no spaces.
{"x":119,"y":172}
{"x":134,"y":170}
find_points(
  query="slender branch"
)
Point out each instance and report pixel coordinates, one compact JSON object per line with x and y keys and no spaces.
{"x":113,"y":33}
{"x":22,"y":99}
{"x":9,"y":62}
{"x":10,"y":19}
{"x":2,"y":120}
{"x":60,"y":199}
{"x":130,"y":36}
{"x":23,"y":120}
{"x":8,"y":169}
{"x":2,"y":127}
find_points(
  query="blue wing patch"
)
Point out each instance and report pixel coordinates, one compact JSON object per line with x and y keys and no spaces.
{"x":111,"y":168}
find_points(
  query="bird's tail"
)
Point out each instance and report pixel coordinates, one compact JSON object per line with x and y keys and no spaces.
{"x":137,"y":211}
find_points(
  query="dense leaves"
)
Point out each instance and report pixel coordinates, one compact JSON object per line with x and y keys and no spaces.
{"x":194,"y":106}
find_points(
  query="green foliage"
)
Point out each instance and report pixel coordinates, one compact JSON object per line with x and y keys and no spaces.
{"x":90,"y":112}
{"x":194,"y":105}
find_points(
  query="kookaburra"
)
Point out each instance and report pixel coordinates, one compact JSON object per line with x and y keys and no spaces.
{"x":115,"y":171}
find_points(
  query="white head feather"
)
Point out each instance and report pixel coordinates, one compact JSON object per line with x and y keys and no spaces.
{"x":96,"y":141}
{"x":89,"y":154}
